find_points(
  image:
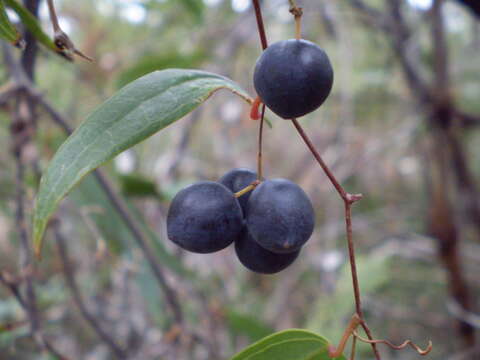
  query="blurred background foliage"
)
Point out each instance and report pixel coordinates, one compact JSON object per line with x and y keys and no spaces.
{"x":372,"y":131}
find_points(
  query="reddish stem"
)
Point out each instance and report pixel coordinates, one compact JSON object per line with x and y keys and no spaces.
{"x":261,"y":28}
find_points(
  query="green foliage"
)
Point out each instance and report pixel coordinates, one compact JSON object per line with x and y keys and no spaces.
{"x":136,"y":185}
{"x":32,"y":24}
{"x":293,"y":344}
{"x":136,"y":112}
{"x":248,"y":325}
{"x":7,"y":29}
{"x":194,"y":7}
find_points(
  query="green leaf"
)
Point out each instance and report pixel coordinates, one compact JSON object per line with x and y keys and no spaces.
{"x":248,"y":325}
{"x":293,"y":344}
{"x":136,"y":185}
{"x":134,"y":113}
{"x":195,"y":7}
{"x":32,"y":24}
{"x":7,"y":30}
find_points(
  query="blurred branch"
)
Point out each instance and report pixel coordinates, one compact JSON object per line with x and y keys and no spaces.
{"x":78,"y":299}
{"x":371,"y":16}
{"x":442,"y":222}
{"x":462,"y":314}
{"x":142,"y":242}
{"x":22,"y":129}
{"x":401,"y":35}
{"x":13,"y":287}
{"x":19,"y":129}
{"x":182,"y":146}
{"x":15,"y":290}
{"x":393,"y":23}
{"x":466,"y":119}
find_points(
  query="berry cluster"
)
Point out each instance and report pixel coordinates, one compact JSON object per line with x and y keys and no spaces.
{"x":269,"y":224}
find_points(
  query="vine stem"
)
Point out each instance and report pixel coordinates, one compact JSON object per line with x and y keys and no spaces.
{"x":348,"y":199}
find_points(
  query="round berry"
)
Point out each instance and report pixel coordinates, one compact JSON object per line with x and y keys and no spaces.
{"x":280,"y":216}
{"x":238,"y":179}
{"x":293,"y":77}
{"x":204,"y":217}
{"x":257,"y":259}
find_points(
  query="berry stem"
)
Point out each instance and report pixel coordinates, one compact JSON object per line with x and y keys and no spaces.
{"x":247,"y":189}
{"x":260,"y":143}
{"x":297,"y":12}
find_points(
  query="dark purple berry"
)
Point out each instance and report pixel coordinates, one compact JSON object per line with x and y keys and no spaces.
{"x":293,"y":77}
{"x":257,"y":259}
{"x":280,"y":216}
{"x":204,"y":217}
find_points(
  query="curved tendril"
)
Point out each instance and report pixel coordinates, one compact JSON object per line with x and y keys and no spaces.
{"x":397,"y":347}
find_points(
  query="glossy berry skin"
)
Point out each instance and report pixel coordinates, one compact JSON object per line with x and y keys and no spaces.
{"x":238,"y":179}
{"x":204,"y":217}
{"x":257,"y":259}
{"x":280,"y":216}
{"x":293,"y":77}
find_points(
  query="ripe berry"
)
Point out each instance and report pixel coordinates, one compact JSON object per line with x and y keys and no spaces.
{"x":257,"y":259}
{"x":280,"y":216}
{"x":293,"y":77}
{"x":238,"y":179}
{"x":204,"y":217}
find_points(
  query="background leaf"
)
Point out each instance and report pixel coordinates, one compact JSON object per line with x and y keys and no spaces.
{"x":136,"y":112}
{"x":32,"y":24}
{"x":246,"y":324}
{"x":293,"y":344}
{"x":7,"y":29}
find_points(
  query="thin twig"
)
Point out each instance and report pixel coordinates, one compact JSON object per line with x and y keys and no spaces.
{"x":20,"y":131}
{"x":53,"y":16}
{"x":354,"y":348}
{"x":142,"y":242}
{"x":14,"y":289}
{"x":78,"y":298}
{"x":61,"y":39}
